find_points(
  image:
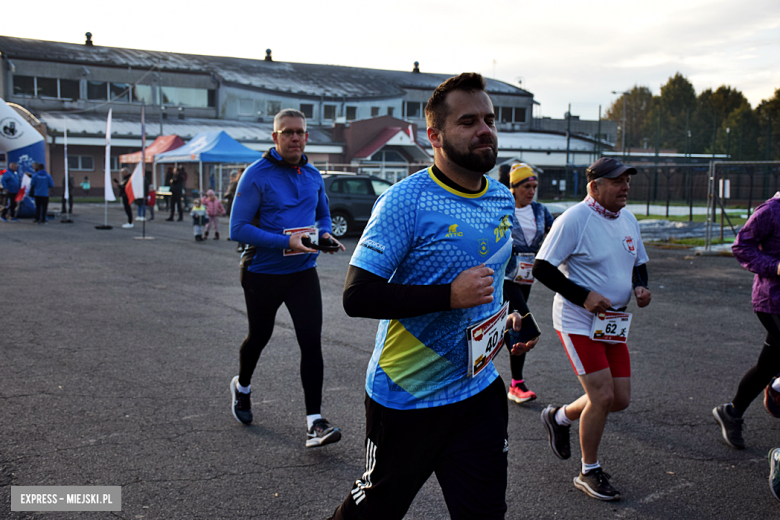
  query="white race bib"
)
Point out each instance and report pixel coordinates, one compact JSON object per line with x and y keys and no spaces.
{"x":611,"y":327}
{"x":485,"y":340}
{"x":523,"y":275}
{"x":311,"y":231}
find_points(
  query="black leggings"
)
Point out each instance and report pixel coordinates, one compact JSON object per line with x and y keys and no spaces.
{"x":41,"y":208}
{"x":300,"y":293}
{"x":128,"y":209}
{"x":768,"y":365}
{"x":512,"y":292}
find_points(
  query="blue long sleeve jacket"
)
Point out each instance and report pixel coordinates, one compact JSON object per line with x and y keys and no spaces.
{"x":41,"y":182}
{"x":11,"y":181}
{"x":274,"y":196}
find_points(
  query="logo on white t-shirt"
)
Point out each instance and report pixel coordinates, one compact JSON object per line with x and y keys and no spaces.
{"x":628,"y":243}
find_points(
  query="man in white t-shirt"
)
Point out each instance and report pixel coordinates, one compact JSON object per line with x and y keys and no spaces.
{"x":593,"y":258}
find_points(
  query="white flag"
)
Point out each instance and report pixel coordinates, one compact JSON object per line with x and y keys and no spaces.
{"x":109,"y":190}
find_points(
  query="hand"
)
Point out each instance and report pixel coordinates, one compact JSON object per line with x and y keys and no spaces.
{"x":642,"y":296}
{"x":516,"y":321}
{"x":297,"y":246}
{"x":341,"y":246}
{"x":471,"y":288}
{"x":596,"y":303}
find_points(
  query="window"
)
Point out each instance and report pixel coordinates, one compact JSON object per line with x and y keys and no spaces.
{"x":24,"y":85}
{"x":142,"y":93}
{"x":114,"y":163}
{"x":308,"y":110}
{"x":390,"y":111}
{"x":189,"y":97}
{"x":81,"y":163}
{"x":246,"y":107}
{"x":273,"y":107}
{"x":70,"y":89}
{"x":337,"y":186}
{"x":47,"y":87}
{"x":351,"y":113}
{"x":374,"y":111}
{"x":329,"y":112}
{"x":412,"y":109}
{"x":97,"y":90}
{"x":379,"y":186}
{"x":119,"y":92}
{"x":519,"y":115}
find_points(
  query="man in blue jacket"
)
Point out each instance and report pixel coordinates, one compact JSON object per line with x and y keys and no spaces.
{"x":40,"y":184}
{"x":11,"y":182}
{"x":280,"y":203}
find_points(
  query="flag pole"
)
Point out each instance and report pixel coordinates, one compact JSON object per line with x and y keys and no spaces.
{"x":144,"y":191}
{"x":66,"y":193}
{"x":108,"y":190}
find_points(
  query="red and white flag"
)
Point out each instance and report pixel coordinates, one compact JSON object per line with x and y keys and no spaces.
{"x":135,"y":187}
{"x":25,"y":187}
{"x":410,"y":130}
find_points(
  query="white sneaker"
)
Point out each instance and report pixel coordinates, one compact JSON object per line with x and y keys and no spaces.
{"x":127,"y":226}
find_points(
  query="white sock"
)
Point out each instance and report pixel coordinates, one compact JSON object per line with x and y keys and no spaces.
{"x":560,"y":417}
{"x":243,"y":389}
{"x":311,"y":418}
{"x":776,"y":385}
{"x":588,"y":467}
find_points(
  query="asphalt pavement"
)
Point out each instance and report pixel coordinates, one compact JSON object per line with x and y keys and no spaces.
{"x":117,"y":354}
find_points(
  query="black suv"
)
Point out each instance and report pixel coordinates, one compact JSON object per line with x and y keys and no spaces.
{"x":351,"y":197}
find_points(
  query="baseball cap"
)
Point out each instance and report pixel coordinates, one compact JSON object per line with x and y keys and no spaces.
{"x":609,"y":168}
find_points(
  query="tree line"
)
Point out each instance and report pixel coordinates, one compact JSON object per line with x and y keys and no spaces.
{"x":720,"y":121}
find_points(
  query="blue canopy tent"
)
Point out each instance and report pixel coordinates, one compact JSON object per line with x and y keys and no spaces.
{"x":209,"y":147}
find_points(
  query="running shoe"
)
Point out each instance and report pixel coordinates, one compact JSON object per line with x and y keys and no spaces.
{"x":127,"y":226}
{"x":774,"y":472}
{"x":595,"y":484}
{"x":241,"y":403}
{"x":14,"y":219}
{"x":520,"y":394}
{"x":3,"y":219}
{"x":772,"y":399}
{"x":730,"y":427}
{"x":322,"y":433}
{"x":558,"y":435}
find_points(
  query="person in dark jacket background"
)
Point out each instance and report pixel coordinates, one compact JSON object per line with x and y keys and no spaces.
{"x":177,"y":188}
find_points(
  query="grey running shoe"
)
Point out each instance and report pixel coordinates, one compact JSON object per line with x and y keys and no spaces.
{"x":730,"y":427}
{"x":558,"y":435}
{"x":322,"y":433}
{"x":595,"y":484}
{"x":241,"y":403}
{"x":774,"y":472}
{"x":772,"y":399}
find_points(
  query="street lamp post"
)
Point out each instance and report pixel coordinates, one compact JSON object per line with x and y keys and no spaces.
{"x":624,"y":121}
{"x":728,"y":143}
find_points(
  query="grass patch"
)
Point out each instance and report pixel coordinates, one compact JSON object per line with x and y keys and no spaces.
{"x":700,"y":241}
{"x":736,"y":220}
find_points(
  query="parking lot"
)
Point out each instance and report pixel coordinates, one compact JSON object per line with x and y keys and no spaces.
{"x":117,"y":354}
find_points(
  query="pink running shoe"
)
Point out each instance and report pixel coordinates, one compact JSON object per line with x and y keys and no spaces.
{"x":520,"y":394}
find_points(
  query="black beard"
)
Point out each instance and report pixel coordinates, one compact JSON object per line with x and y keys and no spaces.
{"x":472,"y":161}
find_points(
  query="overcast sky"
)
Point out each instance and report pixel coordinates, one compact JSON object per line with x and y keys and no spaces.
{"x":564,"y":51}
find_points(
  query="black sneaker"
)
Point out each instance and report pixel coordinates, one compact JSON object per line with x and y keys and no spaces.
{"x":322,"y":433}
{"x":557,"y":434}
{"x":241,"y":403}
{"x":595,"y":483}
{"x":730,"y":427}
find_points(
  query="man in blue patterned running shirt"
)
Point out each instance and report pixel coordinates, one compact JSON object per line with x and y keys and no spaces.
{"x":424,"y":266}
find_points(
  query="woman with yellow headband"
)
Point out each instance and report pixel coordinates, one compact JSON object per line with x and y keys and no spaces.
{"x":533,"y":223}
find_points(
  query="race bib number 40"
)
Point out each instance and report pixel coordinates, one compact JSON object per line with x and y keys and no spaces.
{"x":485,"y":340}
{"x":611,"y":327}
{"x":311,"y":231}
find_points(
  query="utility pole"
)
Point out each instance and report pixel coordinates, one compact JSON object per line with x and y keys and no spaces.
{"x":624,"y":121}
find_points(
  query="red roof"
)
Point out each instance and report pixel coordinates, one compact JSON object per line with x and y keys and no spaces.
{"x":164,"y":143}
{"x":379,"y":141}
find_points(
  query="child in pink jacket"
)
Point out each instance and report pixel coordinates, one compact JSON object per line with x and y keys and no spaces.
{"x":215,"y":209}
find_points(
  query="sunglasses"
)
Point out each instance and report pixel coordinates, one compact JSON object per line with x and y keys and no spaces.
{"x":290,"y":133}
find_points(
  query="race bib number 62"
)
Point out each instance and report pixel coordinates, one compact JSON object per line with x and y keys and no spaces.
{"x":611,"y":327}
